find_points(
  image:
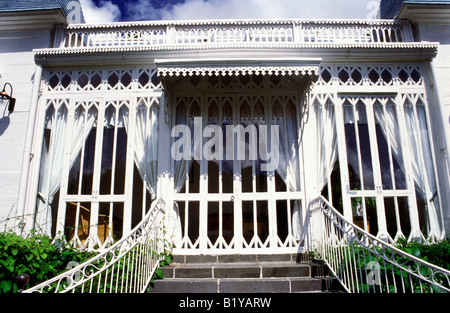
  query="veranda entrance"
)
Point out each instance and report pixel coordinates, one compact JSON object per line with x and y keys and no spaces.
{"x":247,"y":200}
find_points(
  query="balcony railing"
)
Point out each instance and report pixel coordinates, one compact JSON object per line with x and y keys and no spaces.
{"x":232,"y":33}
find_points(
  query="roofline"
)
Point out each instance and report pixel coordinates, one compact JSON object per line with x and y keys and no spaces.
{"x":232,"y":22}
{"x":48,"y":18}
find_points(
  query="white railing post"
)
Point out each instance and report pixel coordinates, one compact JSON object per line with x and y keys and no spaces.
{"x":297,"y":32}
{"x":171,"y":34}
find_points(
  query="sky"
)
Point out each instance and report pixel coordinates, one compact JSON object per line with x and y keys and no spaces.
{"x":101,"y":11}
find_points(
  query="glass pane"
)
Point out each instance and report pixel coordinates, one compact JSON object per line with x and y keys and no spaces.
{"x":194,"y":178}
{"x":396,"y":147}
{"x":214,"y":219}
{"x":365,"y":214}
{"x":352,"y":149}
{"x":88,"y":163}
{"x":261,"y":182}
{"x":182,"y":213}
{"x":213,"y":177}
{"x":228,"y":221}
{"x":141,"y":198}
{"x":108,"y":149}
{"x":110,"y":220}
{"x":371,"y":211}
{"x":84,"y":135}
{"x":279,"y":183}
{"x":247,"y":183}
{"x":282,"y":219}
{"x":383,"y":148}
{"x":193,"y":221}
{"x":263,"y":220}
{"x":403,"y":210}
{"x":78,"y":216}
{"x":227,"y":165}
{"x":247,"y":220}
{"x":121,"y":156}
{"x":213,"y":166}
{"x":391,"y":220}
{"x":364,"y":143}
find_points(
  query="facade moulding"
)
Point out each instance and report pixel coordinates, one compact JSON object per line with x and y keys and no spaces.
{"x":386,"y":22}
{"x":330,"y":53}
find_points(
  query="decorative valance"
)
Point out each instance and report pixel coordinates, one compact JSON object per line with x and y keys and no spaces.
{"x":237,"y":67}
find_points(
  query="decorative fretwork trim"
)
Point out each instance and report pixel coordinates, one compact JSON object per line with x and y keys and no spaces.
{"x":238,"y":67}
{"x":145,"y":48}
{"x":376,"y":75}
{"x":150,"y":78}
{"x":98,"y":80}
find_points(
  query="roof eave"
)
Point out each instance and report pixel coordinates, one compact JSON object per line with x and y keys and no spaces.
{"x":32,"y":19}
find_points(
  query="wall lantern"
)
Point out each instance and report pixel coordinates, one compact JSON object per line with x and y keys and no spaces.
{"x":6,"y":99}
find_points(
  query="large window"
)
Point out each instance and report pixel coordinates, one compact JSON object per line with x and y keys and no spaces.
{"x":376,"y":162}
{"x":98,"y":157}
{"x":234,"y":200}
{"x":385,"y":168}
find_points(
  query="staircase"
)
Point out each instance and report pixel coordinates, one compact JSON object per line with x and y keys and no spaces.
{"x":244,"y":274}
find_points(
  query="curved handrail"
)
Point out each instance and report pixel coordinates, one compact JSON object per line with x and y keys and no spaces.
{"x":127,"y":266}
{"x":364,"y":263}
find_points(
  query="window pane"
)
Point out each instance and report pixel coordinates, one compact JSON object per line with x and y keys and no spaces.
{"x":352,"y":150}
{"x":383,"y":149}
{"x":364,"y":142}
{"x":247,"y":220}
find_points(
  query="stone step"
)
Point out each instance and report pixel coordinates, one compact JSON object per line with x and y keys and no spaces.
{"x":237,"y":270}
{"x":244,"y":285}
{"x":243,"y":274}
{"x":239,"y":258}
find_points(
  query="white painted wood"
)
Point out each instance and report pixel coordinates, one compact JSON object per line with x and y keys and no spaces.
{"x":352,"y":48}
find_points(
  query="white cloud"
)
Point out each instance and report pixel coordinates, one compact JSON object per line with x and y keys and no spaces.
{"x":256,"y":9}
{"x":107,"y":12}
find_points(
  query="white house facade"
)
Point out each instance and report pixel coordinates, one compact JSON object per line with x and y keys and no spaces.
{"x":239,"y":123}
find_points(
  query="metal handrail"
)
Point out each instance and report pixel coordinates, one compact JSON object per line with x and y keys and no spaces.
{"x":127,"y":266}
{"x":364,"y":263}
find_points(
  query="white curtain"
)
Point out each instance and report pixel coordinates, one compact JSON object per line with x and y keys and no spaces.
{"x":419,"y":149}
{"x":186,"y":116}
{"x":146,"y":146}
{"x":388,"y":124}
{"x":288,"y":166}
{"x":327,"y":143}
{"x":53,"y":157}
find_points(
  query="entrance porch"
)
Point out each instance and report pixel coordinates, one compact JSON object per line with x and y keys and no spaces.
{"x":238,"y":180}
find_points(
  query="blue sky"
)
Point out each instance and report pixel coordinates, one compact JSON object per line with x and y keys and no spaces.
{"x":97,"y":11}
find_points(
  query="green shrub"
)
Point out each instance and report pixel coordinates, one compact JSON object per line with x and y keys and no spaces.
{"x":435,"y":253}
{"x":36,"y":256}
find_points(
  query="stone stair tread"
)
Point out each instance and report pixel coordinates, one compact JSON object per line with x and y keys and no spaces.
{"x":236,"y":270}
{"x":243,"y":274}
{"x":240,"y":285}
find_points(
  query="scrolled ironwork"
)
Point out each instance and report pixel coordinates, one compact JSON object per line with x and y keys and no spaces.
{"x":364,"y":263}
{"x":127,"y":266}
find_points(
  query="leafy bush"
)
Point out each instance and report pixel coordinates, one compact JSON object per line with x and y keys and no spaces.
{"x":384,"y":277}
{"x":435,"y":253}
{"x":36,"y":256}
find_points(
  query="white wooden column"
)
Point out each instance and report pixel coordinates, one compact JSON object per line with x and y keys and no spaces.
{"x":165,"y":185}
